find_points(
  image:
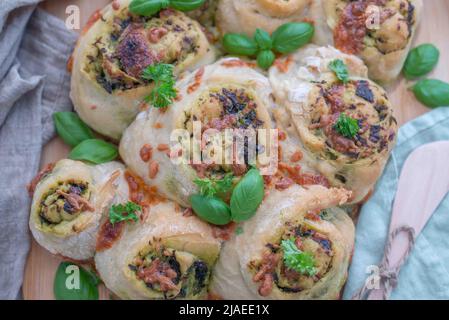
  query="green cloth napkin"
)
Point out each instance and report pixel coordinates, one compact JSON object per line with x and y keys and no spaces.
{"x":425,"y":275}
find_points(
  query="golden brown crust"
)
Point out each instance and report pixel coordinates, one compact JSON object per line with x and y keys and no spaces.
{"x":107,"y":89}
{"x":245,"y":16}
{"x":378,"y":31}
{"x":238,"y":270}
{"x":72,"y":236}
{"x":312,"y":100}
{"x":201,"y":99}
{"x":164,"y":228}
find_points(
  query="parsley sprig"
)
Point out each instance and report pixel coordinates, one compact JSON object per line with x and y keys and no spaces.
{"x":124,"y":212}
{"x":297,"y":260}
{"x":211,"y":187}
{"x":163,"y":91}
{"x":340,"y":69}
{"x":347,"y":126}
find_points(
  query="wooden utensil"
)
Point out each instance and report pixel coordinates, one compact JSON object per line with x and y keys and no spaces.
{"x":423,"y":183}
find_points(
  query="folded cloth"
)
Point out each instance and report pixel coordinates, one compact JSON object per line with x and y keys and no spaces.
{"x":34,"y":83}
{"x":425,"y":274}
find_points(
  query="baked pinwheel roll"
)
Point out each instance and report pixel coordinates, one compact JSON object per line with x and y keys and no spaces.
{"x":228,"y":94}
{"x":205,"y":14}
{"x":344,"y":131}
{"x":297,"y":246}
{"x":163,"y":255}
{"x":378,"y":31}
{"x":245,"y":16}
{"x":107,"y":88}
{"x":68,"y":204}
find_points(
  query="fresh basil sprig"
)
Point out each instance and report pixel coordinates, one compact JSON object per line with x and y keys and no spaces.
{"x":421,"y":60}
{"x":240,"y":44}
{"x":73,"y":282}
{"x":71,"y":128}
{"x":340,"y":69}
{"x":247,"y":196}
{"x":124,"y":212}
{"x":245,"y":199}
{"x":186,"y":5}
{"x":291,"y":36}
{"x":265,"y":59}
{"x":347,"y":126}
{"x":297,"y":260}
{"x":211,"y":209}
{"x":151,"y":7}
{"x":263,"y":39}
{"x":95,"y":151}
{"x":285,"y":39}
{"x":432,"y":93}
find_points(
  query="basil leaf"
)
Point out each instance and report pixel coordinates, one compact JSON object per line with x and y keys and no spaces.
{"x":265,"y":59}
{"x":290,"y":36}
{"x":74,"y":283}
{"x":95,"y":151}
{"x":247,"y":196}
{"x":340,"y":69}
{"x":211,"y":209}
{"x":71,"y":128}
{"x":147,"y":7}
{"x":239,"y":44}
{"x":263,"y":39}
{"x":421,"y":60}
{"x":186,"y":5}
{"x":432,"y":93}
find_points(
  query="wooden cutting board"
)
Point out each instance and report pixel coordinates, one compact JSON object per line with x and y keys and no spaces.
{"x":41,"y":266}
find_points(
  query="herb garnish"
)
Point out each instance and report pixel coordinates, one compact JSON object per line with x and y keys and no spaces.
{"x":347,"y":126}
{"x":297,"y":260}
{"x":126,"y":212}
{"x":245,"y":198}
{"x":211,"y":187}
{"x":151,"y":7}
{"x":163,"y":91}
{"x":340,"y":69}
{"x":285,"y":39}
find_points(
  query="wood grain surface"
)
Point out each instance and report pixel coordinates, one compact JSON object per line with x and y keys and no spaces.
{"x":434,"y":28}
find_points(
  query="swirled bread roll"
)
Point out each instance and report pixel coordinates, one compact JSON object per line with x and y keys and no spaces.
{"x":107,"y":89}
{"x":68,"y":204}
{"x":378,"y":31}
{"x":228,"y":94}
{"x":252,"y":264}
{"x":163,"y":255}
{"x":205,"y":14}
{"x":312,"y":100}
{"x":245,"y":16}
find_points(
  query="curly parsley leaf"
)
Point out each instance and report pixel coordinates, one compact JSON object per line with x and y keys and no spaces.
{"x":211,"y":187}
{"x":124,"y":212}
{"x":295,"y":259}
{"x":347,"y":126}
{"x":163,"y":91}
{"x":340,"y":69}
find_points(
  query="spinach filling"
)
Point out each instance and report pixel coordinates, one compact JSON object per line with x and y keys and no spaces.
{"x":229,"y":108}
{"x":64,"y":202}
{"x":288,"y":270}
{"x":171,"y":274}
{"x":121,"y":57}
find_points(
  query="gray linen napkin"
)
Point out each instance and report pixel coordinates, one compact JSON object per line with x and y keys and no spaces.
{"x":34,"y":83}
